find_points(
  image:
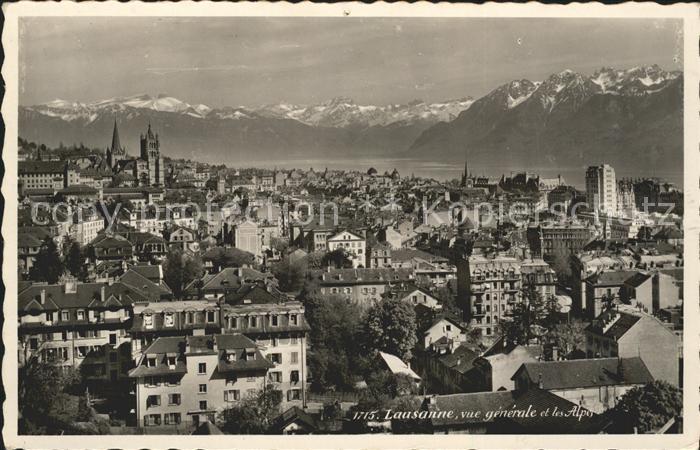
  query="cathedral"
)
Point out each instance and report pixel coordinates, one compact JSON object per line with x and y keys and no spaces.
{"x":147,"y":170}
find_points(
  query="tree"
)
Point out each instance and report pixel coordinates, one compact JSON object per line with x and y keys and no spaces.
{"x":568,"y":337}
{"x":647,"y":407}
{"x":290,"y":274}
{"x":254,"y":414}
{"x":530,"y":318}
{"x":334,"y":358}
{"x":562,"y":267}
{"x":74,"y":260}
{"x":47,"y":264}
{"x":337,"y":258}
{"x":391,"y":328}
{"x":179,"y":270}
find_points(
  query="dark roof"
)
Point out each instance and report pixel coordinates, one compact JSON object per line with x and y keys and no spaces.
{"x":540,"y":400}
{"x":461,"y":359}
{"x":612,"y":277}
{"x":41,"y":167}
{"x":637,"y":280}
{"x":362,"y":276}
{"x":294,"y":414}
{"x":622,"y":323}
{"x":257,"y":295}
{"x":586,"y":373}
{"x":406,"y":254}
{"x":85,"y":295}
{"x":78,"y":189}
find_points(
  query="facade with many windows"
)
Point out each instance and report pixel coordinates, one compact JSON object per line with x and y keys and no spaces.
{"x":79,"y":325}
{"x":182,"y":381}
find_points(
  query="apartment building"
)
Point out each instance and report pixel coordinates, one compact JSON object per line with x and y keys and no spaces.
{"x":353,"y":245}
{"x":186,"y":380}
{"x":601,"y":189}
{"x":488,"y":287}
{"x":80,"y":325}
{"x":363,"y":287}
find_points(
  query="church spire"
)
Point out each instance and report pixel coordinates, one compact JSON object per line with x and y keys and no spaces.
{"x":465,"y":174}
{"x":116,"y":145}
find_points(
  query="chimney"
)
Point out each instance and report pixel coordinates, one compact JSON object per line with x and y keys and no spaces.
{"x":103,"y":295}
{"x":555,"y":353}
{"x":540,"y":384}
{"x":43,"y":296}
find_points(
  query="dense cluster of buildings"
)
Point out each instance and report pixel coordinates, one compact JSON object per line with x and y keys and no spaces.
{"x":186,"y":354}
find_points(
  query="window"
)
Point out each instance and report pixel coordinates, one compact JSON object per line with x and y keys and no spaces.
{"x":172,"y":381}
{"x":233,"y":322}
{"x":276,"y":377}
{"x":189,"y":317}
{"x":169,"y":320}
{"x":202,"y":388}
{"x":274,"y":321}
{"x":275,"y":358}
{"x":112,"y":339}
{"x":211,"y":316}
{"x":294,"y":394}
{"x":250,"y":379}
{"x":294,"y":376}
{"x":49,"y":317}
{"x":148,"y":320}
{"x":65,"y":316}
{"x":293,"y":319}
{"x":202,"y":368}
{"x":172,"y":419}
{"x":275,"y":342}
{"x":151,"y":361}
{"x":448,"y":327}
{"x":252,"y":321}
{"x":294,"y":340}
{"x":295,"y":358}
{"x":231,"y":357}
{"x":232,"y":395}
{"x":150,"y":420}
{"x":203,"y":405}
{"x":231,"y":379}
{"x":152,"y":400}
{"x":174,"y":399}
{"x":172,"y":362}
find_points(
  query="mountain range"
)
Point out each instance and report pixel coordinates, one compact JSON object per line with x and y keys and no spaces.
{"x":631,"y":118}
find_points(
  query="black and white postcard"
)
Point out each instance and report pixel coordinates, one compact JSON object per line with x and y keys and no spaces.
{"x":350,"y":226}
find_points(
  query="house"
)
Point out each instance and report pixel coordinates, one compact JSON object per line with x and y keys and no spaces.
{"x":276,"y":324}
{"x":112,"y":247}
{"x":80,"y":325}
{"x":184,"y":238}
{"x":248,"y":238}
{"x":622,"y":334}
{"x":353,"y":245}
{"x":214,"y":286}
{"x":187,"y":380}
{"x":361,"y":286}
{"x":594,"y":384}
{"x":396,"y":366}
{"x":442,"y":333}
{"x":604,"y":287}
{"x":500,"y":362}
{"x":294,"y":421}
{"x":414,"y":295}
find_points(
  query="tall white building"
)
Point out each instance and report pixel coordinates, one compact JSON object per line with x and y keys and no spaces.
{"x":601,"y":189}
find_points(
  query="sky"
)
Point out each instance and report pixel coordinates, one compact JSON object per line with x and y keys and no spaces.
{"x":256,"y":61}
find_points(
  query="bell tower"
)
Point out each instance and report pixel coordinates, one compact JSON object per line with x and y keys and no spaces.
{"x":150,"y":152}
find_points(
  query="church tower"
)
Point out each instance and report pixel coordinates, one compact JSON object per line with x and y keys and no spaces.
{"x":150,"y":152}
{"x":116,"y":152}
{"x":467,"y":181}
